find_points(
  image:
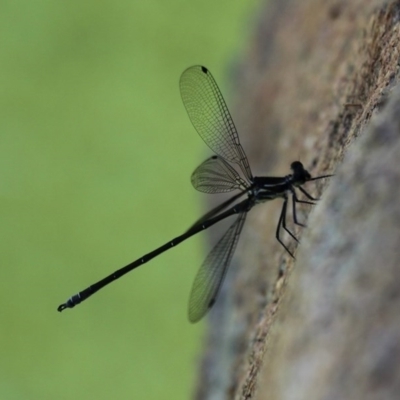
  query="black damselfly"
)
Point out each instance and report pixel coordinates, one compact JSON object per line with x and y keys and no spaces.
{"x":211,"y":118}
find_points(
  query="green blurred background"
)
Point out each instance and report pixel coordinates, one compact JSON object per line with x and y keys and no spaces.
{"x":96,"y":151}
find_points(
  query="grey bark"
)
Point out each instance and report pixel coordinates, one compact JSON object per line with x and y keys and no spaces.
{"x":319,"y":84}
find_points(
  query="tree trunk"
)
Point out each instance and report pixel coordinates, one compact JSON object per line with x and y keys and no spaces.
{"x":318,"y":85}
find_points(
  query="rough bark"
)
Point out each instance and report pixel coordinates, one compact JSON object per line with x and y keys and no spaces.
{"x":319,"y":85}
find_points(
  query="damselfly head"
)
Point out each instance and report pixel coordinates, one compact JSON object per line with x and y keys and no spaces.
{"x":300,"y":174}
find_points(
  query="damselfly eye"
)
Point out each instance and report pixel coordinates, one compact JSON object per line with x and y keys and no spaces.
{"x":296,"y":166}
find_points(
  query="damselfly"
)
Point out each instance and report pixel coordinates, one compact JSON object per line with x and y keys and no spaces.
{"x":210,"y":116}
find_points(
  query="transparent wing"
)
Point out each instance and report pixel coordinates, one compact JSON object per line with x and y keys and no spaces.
{"x":211,"y":274}
{"x":210,"y":116}
{"x":216,"y":210}
{"x":215,"y":175}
